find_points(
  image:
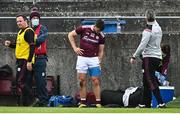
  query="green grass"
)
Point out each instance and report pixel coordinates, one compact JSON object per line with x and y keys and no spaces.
{"x":85,"y":110}
{"x":172,"y":107}
{"x":174,"y":104}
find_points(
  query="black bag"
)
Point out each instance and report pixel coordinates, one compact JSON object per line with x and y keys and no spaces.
{"x":136,"y":97}
{"x":112,"y":98}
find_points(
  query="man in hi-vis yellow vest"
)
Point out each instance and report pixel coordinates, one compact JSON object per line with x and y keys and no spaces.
{"x":24,"y":52}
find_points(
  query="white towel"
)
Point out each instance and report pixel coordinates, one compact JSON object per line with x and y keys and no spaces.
{"x":127,"y":93}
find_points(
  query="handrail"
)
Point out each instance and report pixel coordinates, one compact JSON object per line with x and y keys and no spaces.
{"x":97,"y":17}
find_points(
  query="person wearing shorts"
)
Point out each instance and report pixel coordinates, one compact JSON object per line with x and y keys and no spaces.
{"x":90,"y":53}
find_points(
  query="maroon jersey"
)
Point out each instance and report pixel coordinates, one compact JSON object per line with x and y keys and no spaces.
{"x":90,"y":40}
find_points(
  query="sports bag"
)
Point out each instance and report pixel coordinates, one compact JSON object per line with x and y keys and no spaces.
{"x":63,"y":100}
{"x":112,"y":98}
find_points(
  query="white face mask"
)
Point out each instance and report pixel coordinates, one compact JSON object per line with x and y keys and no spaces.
{"x":35,"y":22}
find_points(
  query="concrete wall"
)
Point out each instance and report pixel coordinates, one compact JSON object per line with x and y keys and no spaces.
{"x":118,"y":73}
{"x":93,"y":7}
{"x":66,"y":25}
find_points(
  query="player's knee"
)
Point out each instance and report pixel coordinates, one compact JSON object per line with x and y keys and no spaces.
{"x":82,"y":78}
{"x":82,"y":81}
{"x":95,"y":81}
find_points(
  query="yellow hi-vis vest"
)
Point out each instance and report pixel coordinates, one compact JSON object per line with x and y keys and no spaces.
{"x":22,"y":47}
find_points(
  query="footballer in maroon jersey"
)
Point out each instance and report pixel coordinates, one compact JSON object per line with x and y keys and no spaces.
{"x":90,"y":53}
{"x":90,"y":40}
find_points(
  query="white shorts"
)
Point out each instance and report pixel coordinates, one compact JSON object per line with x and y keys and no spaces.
{"x":88,"y":64}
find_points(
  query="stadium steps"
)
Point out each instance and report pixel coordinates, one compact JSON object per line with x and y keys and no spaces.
{"x":92,"y":7}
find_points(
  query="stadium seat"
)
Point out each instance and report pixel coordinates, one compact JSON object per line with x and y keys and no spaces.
{"x":50,"y":85}
{"x":6,"y":86}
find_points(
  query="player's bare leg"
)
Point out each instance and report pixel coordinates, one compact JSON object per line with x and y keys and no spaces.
{"x":82,"y":83}
{"x":97,"y":90}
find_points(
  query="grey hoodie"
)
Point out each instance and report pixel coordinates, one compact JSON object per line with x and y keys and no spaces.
{"x":150,"y":42}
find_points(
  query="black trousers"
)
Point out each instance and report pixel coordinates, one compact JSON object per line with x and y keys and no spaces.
{"x":23,"y":83}
{"x":40,"y":80}
{"x":150,"y":83}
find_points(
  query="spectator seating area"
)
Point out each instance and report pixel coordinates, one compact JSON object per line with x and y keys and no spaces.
{"x":8,"y":87}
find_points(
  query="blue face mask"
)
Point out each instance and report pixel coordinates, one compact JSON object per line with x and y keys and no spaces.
{"x":35,"y":22}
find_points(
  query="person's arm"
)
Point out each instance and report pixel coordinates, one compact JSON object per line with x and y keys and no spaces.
{"x":144,"y":41}
{"x":29,"y":38}
{"x":101,"y":47}
{"x":165,"y":63}
{"x":72,"y":37}
{"x":101,"y":52}
{"x":42,"y":36}
{"x":10,"y":44}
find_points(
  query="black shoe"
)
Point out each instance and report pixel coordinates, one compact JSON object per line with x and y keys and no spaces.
{"x":43,"y":105}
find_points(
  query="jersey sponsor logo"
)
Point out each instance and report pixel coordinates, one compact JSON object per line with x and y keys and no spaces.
{"x":89,"y":40}
{"x":86,"y":26}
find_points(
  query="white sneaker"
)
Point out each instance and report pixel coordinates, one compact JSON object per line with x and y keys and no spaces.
{"x":82,"y":106}
{"x":141,"y":106}
{"x":162,"y":105}
{"x":98,"y":105}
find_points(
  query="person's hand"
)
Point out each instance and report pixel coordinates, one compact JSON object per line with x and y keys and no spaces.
{"x":132,"y":60}
{"x":29,"y":66}
{"x":7,"y":43}
{"x":78,"y":51}
{"x":100,"y":59}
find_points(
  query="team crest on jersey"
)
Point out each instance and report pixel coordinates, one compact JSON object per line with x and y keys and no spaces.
{"x":87,"y":33}
{"x":97,"y":37}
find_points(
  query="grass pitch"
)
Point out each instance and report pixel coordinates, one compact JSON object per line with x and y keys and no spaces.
{"x":172,"y":107}
{"x":85,"y":110}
